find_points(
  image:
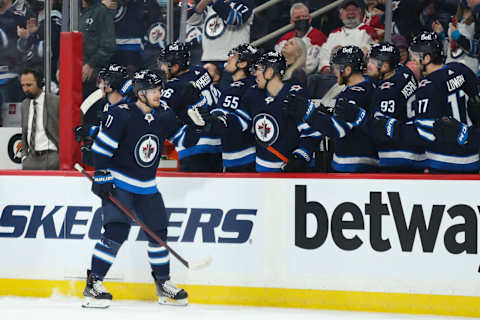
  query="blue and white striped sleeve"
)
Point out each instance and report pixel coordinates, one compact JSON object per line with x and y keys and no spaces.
{"x":234,"y":12}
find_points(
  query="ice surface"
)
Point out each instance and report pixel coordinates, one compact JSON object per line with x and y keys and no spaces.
{"x":16,"y":308}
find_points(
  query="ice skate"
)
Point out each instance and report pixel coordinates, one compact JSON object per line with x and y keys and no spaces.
{"x":168,"y":293}
{"x":95,"y":294}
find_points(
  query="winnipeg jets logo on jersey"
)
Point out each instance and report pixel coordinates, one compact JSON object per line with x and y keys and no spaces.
{"x":147,"y":150}
{"x":237,"y":84}
{"x":214,"y":27}
{"x":156,"y":34}
{"x":265,"y":128}
{"x":386,"y":85}
{"x":269,"y":100}
{"x":149,"y":117}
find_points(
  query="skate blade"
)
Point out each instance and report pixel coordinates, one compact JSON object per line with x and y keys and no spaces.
{"x":173,"y":302}
{"x":89,"y":302}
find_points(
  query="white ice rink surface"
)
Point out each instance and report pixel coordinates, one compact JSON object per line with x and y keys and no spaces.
{"x":13,"y":308}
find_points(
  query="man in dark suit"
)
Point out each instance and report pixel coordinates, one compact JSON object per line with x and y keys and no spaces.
{"x":39,"y":124}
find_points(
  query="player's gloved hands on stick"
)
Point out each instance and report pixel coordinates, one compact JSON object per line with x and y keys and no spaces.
{"x":450,"y":130}
{"x":81,"y":132}
{"x":102,"y":183}
{"x":297,"y":107}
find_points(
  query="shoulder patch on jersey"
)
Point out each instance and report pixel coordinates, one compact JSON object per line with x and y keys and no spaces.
{"x":450,"y":72}
{"x":424,"y":83}
{"x":406,"y":75}
{"x":295,"y":87}
{"x":269,"y":99}
{"x":123,"y":106}
{"x":386,"y":85}
{"x":357,"y":88}
{"x":197,"y":72}
{"x":237,"y":84}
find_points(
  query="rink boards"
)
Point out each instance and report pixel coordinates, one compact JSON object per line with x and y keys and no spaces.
{"x":387,"y":243}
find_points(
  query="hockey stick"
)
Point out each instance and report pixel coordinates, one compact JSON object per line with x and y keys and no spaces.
{"x":190,"y":265}
{"x":271,"y":149}
{"x":91,"y":100}
{"x":277,"y":154}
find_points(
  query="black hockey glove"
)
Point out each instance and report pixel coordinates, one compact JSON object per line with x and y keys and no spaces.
{"x":325,"y":110}
{"x":297,"y":107}
{"x":82,"y":132}
{"x":219,"y":123}
{"x":348,"y":111}
{"x":473,"y":109}
{"x":449,"y":130}
{"x":191,"y":94}
{"x":297,"y":162}
{"x":102,"y":183}
{"x":385,"y":129}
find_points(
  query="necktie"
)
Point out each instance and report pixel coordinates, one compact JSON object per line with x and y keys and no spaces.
{"x":34,"y":126}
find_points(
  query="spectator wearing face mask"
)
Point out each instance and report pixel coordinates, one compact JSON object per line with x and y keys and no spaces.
{"x":300,"y":17}
{"x":352,"y":33}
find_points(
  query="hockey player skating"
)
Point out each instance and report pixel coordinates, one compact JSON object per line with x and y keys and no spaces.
{"x":229,"y":120}
{"x":182,"y":90}
{"x":354,"y":151}
{"x":127,"y":152}
{"x":271,"y":126}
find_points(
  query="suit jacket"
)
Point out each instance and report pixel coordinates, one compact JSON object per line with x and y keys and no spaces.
{"x":50,"y":120}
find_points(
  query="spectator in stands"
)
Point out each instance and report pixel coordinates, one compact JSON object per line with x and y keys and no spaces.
{"x":32,"y":43}
{"x":353,"y":32}
{"x":295,"y":53}
{"x":39,"y":124}
{"x":129,"y":31}
{"x":401,"y":43}
{"x":300,"y":17}
{"x":96,"y":24}
{"x":10,"y":63}
{"x":226,"y":25}
{"x":373,"y":16}
{"x":461,"y":32}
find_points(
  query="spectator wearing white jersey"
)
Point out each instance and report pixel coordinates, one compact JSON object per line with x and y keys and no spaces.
{"x":353,"y":32}
{"x":300,"y":17}
{"x":226,"y":25}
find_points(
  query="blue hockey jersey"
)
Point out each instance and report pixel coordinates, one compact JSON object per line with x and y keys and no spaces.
{"x":172,"y":96}
{"x":238,"y":145}
{"x":10,"y":58}
{"x":393,"y":98}
{"x":354,"y":150}
{"x":271,"y":127}
{"x":130,"y":143}
{"x":445,"y":92}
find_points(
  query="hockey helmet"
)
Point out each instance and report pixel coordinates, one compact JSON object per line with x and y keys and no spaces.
{"x":386,"y":52}
{"x":176,"y":53}
{"x":274,"y":60}
{"x":247,"y":53}
{"x":351,"y":56}
{"x":427,"y":43}
{"x":145,"y":80}
{"x":114,"y":75}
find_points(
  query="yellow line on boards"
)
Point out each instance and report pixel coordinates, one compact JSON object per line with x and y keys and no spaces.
{"x":272,"y":297}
